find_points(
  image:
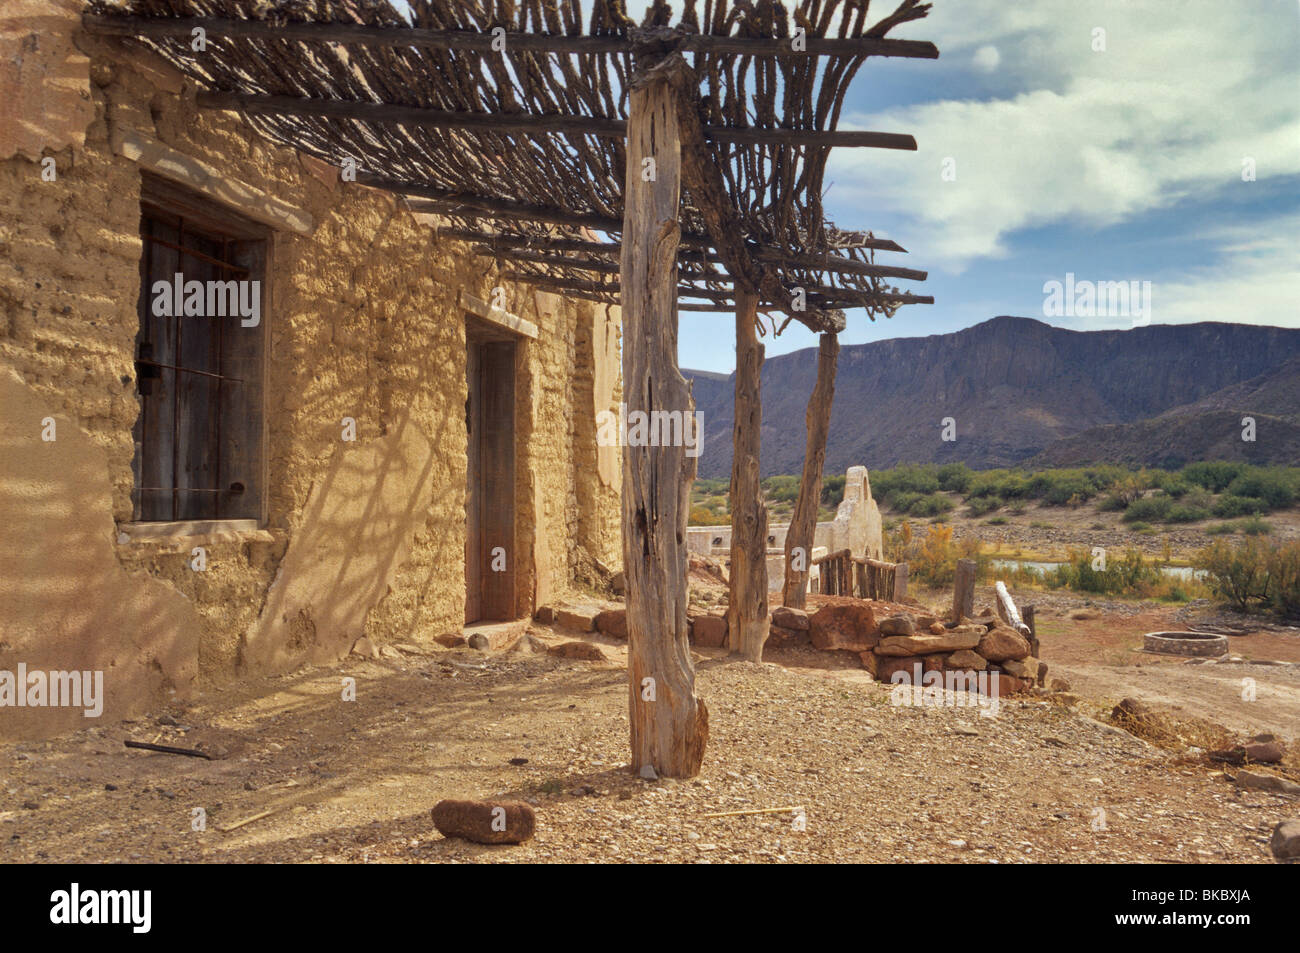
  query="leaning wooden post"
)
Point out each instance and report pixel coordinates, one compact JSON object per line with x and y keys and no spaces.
{"x":963,"y":590}
{"x":803,"y":524}
{"x":747,"y":619}
{"x":670,"y":726}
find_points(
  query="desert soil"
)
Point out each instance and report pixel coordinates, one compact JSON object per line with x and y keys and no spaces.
{"x":353,"y":781}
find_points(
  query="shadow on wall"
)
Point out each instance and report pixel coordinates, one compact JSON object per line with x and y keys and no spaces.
{"x":357,"y":529}
{"x":66,"y":603}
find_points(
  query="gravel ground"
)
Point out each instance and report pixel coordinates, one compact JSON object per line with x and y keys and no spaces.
{"x":877,"y":782}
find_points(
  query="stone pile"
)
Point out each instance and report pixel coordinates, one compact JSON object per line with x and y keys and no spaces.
{"x":887,"y":638}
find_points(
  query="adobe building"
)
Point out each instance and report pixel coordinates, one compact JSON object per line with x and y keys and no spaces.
{"x":361,"y":446}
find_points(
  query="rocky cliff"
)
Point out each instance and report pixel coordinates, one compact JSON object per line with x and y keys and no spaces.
{"x":1014,"y":387}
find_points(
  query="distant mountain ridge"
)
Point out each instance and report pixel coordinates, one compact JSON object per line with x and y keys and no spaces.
{"x":1022,"y":391}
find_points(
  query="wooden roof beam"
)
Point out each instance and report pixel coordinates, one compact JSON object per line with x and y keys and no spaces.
{"x":515,"y":246}
{"x":532,"y":124}
{"x":355,"y":34}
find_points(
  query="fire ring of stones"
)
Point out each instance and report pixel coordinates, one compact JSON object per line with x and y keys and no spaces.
{"x":1195,"y":644}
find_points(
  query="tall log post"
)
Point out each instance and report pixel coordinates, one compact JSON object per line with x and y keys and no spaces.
{"x":963,"y":590}
{"x":803,"y":524}
{"x":747,"y":619}
{"x":670,"y":726}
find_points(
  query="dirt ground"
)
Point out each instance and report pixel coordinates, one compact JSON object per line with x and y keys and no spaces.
{"x":353,"y":781}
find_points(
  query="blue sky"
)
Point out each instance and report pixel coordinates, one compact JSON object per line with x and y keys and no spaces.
{"x":1115,"y":164}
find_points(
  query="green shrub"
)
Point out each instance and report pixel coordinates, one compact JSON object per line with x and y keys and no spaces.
{"x":1088,"y":573}
{"x":1148,"y":509}
{"x":980,"y":505}
{"x":955,"y":477}
{"x":905,"y":478}
{"x":1074,"y":491}
{"x":1214,"y":476}
{"x":1255,"y":527}
{"x":1221,"y":529}
{"x":1275,"y":487}
{"x":1113,"y":503}
{"x":902,"y":501}
{"x":833,"y":489}
{"x":1236,"y":572}
{"x":1181,"y":513}
{"x":934,"y":504}
{"x":1227,"y":506}
{"x":996,"y":521}
{"x":1283,"y":564}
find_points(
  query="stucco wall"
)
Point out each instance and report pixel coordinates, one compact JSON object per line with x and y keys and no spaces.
{"x":364,"y":322}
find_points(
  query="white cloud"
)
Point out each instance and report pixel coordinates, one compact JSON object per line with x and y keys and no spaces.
{"x":1254,"y":281}
{"x":986,"y":59}
{"x":1168,"y":112}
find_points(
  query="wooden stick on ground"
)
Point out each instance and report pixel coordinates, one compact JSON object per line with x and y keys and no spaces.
{"x":168,"y":749}
{"x":248,"y":820}
{"x":792,"y":809}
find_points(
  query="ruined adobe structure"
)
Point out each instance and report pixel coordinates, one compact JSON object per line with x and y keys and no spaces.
{"x":856,"y":527}
{"x":367,"y":316}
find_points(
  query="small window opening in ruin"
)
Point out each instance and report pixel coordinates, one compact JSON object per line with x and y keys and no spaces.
{"x":199,"y":359}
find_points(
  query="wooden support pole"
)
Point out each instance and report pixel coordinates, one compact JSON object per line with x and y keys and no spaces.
{"x":670,"y":725}
{"x":747,"y":618}
{"x":963,"y":590}
{"x":803,"y":523}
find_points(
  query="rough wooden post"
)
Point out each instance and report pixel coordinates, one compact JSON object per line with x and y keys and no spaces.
{"x":747,"y":618}
{"x":670,"y":726}
{"x":803,"y":523}
{"x":900,"y":582}
{"x":963,"y":591}
{"x":1028,"y":616}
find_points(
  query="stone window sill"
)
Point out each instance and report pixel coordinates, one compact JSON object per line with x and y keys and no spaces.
{"x":206,"y":531}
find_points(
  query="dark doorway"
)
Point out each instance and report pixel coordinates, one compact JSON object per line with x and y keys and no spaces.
{"x":490,"y":491}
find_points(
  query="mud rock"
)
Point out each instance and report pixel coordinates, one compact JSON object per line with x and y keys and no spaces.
{"x":1261,"y":752}
{"x":914,"y":667}
{"x":451,"y":640}
{"x":1285,"y":842}
{"x":613,"y":622}
{"x":1005,"y":684}
{"x":780,"y":635}
{"x":710,"y":631}
{"x":897,"y":625}
{"x":789,"y":618}
{"x":580,"y":620}
{"x":937,"y":628}
{"x":870,"y":662}
{"x":851,"y":627}
{"x":583,"y":651}
{"x":545,"y":615}
{"x":952,"y":640}
{"x":1259,"y":781}
{"x":485,"y":822}
{"x":1001,"y":643}
{"x":365,"y":648}
{"x":966,"y":659}
{"x":1026,"y":668}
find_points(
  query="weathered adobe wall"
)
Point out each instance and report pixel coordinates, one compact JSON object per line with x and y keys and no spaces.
{"x":364,"y":322}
